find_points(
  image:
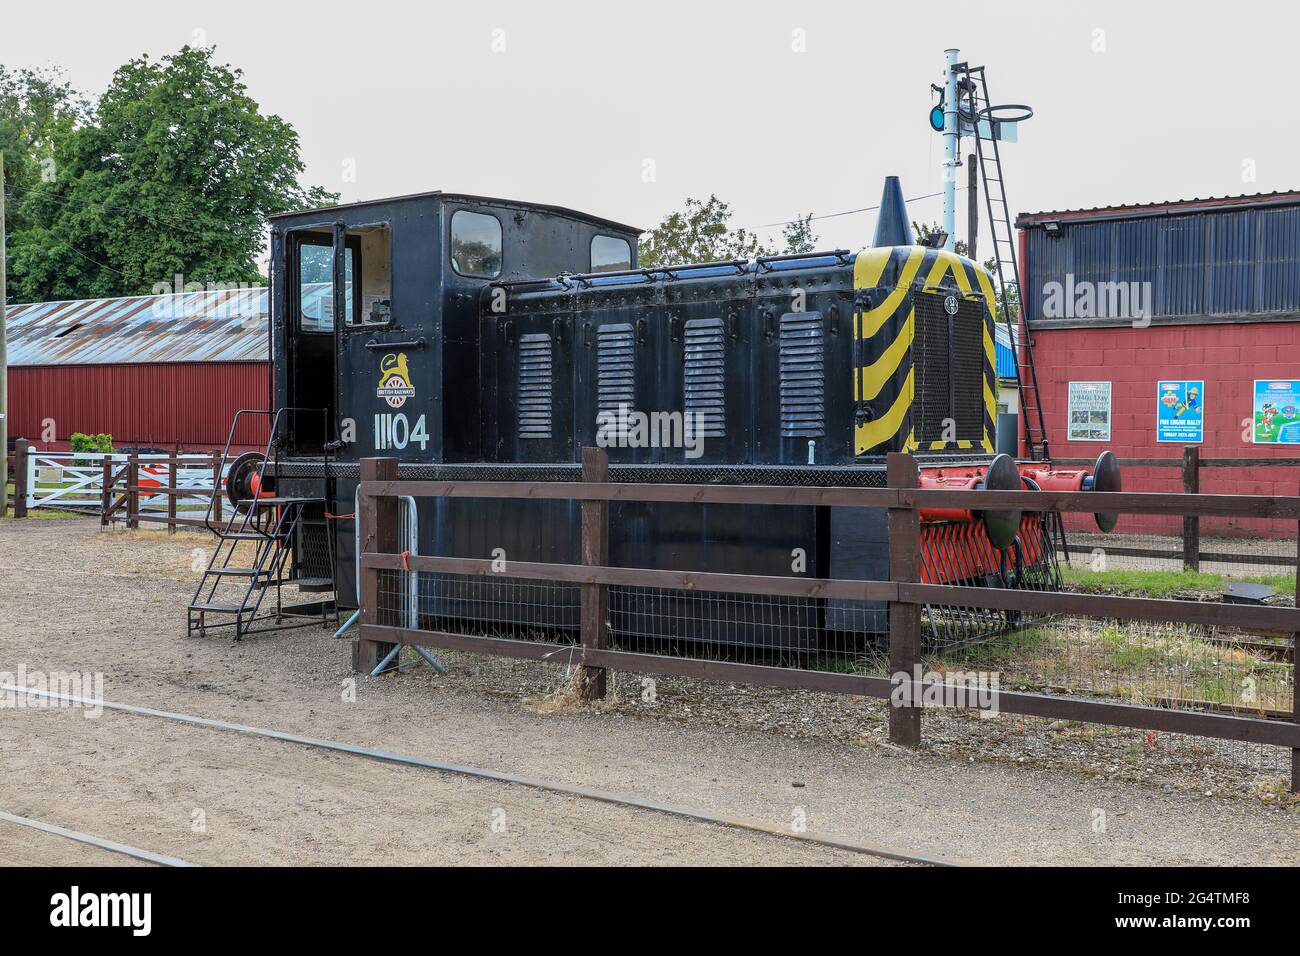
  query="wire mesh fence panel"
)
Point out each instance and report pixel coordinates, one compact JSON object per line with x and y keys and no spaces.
{"x":501,"y":607}
{"x":1179,"y":666}
{"x":842,"y":636}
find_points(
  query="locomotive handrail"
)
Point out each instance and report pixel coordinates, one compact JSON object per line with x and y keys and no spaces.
{"x":419,"y":343}
{"x":840,"y":254}
{"x":671,"y":271}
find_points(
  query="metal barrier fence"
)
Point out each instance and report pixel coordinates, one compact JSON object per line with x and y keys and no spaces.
{"x":1197,"y":667}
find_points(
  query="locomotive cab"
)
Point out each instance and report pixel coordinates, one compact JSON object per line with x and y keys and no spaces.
{"x":375,"y":332}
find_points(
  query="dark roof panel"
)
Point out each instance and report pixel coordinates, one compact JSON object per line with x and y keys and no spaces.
{"x":466,"y":197}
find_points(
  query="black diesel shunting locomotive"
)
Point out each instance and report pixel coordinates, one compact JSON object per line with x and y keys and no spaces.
{"x":482,"y":338}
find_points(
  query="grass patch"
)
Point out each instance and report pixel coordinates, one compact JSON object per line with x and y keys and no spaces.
{"x":1162,"y":584}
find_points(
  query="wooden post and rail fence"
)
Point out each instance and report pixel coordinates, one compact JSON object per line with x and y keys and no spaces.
{"x":904,"y":593}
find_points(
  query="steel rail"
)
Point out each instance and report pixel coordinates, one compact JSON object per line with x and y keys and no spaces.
{"x":111,"y":845}
{"x":535,"y":783}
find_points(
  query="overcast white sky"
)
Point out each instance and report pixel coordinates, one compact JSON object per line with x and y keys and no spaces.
{"x":1181,"y":96}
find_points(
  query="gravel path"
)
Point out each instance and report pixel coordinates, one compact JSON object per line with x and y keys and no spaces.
{"x":80,"y":599}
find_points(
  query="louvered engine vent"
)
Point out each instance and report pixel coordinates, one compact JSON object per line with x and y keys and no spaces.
{"x":535,"y":385}
{"x":803,"y":375}
{"x":615,"y":367}
{"x":705,"y":375}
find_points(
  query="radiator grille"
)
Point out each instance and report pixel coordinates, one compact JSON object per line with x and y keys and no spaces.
{"x":968,"y":370}
{"x":948,"y":365}
{"x":615,"y":367}
{"x":536,"y":385}
{"x":803,"y":375}
{"x":705,"y":375}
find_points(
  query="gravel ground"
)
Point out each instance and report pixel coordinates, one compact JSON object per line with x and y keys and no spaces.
{"x":990,"y":791}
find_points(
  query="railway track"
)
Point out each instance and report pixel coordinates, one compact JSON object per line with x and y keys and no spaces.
{"x":77,"y":836}
{"x":535,"y":783}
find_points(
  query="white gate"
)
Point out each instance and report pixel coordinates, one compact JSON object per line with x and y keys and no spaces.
{"x":75,"y":479}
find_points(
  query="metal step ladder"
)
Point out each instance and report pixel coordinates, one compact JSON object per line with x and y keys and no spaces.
{"x":1008,"y":267}
{"x":261,"y":530}
{"x":256,"y":547}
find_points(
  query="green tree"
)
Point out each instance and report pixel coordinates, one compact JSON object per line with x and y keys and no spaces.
{"x":701,"y":232}
{"x":38,"y":111}
{"x":799,"y":235}
{"x":175,"y":174}
{"x":698,"y":233}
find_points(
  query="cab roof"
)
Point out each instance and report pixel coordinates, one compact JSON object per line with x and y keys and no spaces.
{"x":467,"y":197}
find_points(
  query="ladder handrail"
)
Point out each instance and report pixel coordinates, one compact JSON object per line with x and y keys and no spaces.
{"x":225,"y":456}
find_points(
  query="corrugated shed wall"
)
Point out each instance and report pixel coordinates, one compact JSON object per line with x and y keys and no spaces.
{"x":140,"y":405}
{"x":1238,"y":262}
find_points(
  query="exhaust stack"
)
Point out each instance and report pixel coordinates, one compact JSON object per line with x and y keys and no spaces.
{"x":893,"y":228}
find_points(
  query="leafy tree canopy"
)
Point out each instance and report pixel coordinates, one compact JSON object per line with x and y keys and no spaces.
{"x":701,"y":232}
{"x":37,"y":111}
{"x":173,"y":172}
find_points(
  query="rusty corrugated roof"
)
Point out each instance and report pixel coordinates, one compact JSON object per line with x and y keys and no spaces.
{"x":211,"y":326}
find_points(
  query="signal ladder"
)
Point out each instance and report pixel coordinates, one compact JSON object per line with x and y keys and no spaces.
{"x":1004,"y":255}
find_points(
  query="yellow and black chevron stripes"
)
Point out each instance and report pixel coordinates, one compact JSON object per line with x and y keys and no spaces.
{"x":884,"y":330}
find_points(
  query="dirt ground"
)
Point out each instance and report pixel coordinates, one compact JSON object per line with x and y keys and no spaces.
{"x":994,"y":792}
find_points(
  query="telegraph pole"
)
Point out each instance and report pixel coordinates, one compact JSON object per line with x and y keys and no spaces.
{"x":4,"y":358}
{"x":972,"y":206}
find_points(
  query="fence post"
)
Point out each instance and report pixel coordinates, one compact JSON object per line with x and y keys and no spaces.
{"x":595,"y":553}
{"x":904,"y":619}
{"x":4,"y":479}
{"x":22,"y":455}
{"x":1191,"y":523}
{"x":216,"y":487}
{"x":377,"y":532}
{"x":105,"y":489}
{"x":171,"y":492}
{"x":133,"y":490}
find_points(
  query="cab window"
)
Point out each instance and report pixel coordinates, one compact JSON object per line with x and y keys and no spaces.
{"x":316,"y":284}
{"x":476,"y":244}
{"x":610,"y":254}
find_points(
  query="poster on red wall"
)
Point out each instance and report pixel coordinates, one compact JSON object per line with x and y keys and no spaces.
{"x":1180,"y":412}
{"x":1089,"y":411}
{"x":1276,"y":415}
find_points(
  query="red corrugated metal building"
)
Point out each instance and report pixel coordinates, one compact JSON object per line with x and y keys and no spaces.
{"x":157,"y":371}
{"x":1140,"y":300}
